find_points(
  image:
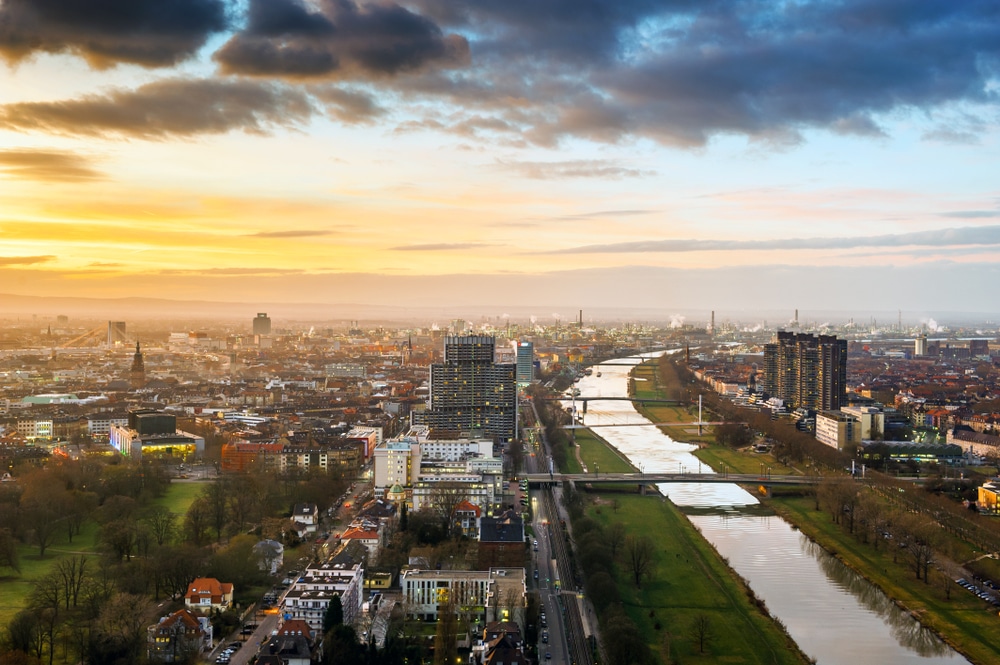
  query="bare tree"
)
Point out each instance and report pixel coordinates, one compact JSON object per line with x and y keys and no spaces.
{"x":639,"y":552}
{"x":162,"y":524}
{"x":701,"y":631}
{"x":444,"y":500}
{"x":615,"y":538}
{"x":71,"y":571}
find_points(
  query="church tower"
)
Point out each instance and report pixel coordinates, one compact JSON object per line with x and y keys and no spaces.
{"x":137,"y":376}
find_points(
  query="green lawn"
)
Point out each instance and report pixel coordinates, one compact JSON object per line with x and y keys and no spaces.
{"x":741,"y":462}
{"x":15,"y":589}
{"x":179,"y":497}
{"x":691,"y":579}
{"x":966,"y":622}
{"x":596,"y":453}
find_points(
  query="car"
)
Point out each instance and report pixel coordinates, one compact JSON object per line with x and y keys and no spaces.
{"x":545,"y":637}
{"x":536,"y":573}
{"x":235,"y":645}
{"x":548,"y":655}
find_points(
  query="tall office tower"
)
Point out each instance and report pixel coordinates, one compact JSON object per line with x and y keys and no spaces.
{"x":525,"y":363}
{"x":807,"y":371}
{"x":471,"y":393}
{"x":116,"y":332}
{"x":920,"y":346}
{"x":262,"y":324}
{"x":137,"y":375}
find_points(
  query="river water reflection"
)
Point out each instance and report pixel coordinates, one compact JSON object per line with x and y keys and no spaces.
{"x":833,"y":614}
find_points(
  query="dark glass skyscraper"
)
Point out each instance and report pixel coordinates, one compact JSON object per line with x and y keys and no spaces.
{"x":470,"y":392}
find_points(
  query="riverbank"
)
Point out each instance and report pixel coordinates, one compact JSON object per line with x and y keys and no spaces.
{"x":963,"y":621}
{"x":689,"y":579}
{"x":960,"y":619}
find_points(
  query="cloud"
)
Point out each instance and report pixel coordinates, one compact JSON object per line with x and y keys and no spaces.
{"x":150,"y":33}
{"x":442,"y":246}
{"x":104,"y":264}
{"x":972,"y":214}
{"x":683,"y":72}
{"x":227,"y":272}
{"x":337,"y":39}
{"x":972,"y":235}
{"x":581,"y":168}
{"x":349,"y":106}
{"x":46,"y":166}
{"x":290,"y":233}
{"x":167,"y":108}
{"x":25,"y":260}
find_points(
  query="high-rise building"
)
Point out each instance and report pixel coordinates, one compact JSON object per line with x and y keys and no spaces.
{"x":471,"y":393}
{"x":806,"y":371}
{"x":116,"y":333}
{"x":525,"y":363}
{"x":262,"y":324}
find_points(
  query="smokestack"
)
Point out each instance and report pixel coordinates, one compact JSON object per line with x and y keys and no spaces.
{"x":712,"y":328}
{"x":796,"y":316}
{"x":581,"y":318}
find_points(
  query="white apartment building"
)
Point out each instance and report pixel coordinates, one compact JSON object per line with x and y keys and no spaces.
{"x":837,"y":429}
{"x":868,"y":417}
{"x":497,"y":594}
{"x":309,"y":597}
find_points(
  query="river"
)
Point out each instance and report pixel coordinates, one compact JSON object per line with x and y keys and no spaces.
{"x":833,"y":614}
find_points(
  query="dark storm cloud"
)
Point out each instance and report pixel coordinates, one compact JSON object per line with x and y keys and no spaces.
{"x":340,"y":38}
{"x":46,"y":166}
{"x":168,"y":108}
{"x":969,"y":235}
{"x":682,"y":72}
{"x":150,"y":33}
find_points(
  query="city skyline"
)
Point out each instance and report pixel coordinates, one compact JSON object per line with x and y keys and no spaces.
{"x":604,"y":154}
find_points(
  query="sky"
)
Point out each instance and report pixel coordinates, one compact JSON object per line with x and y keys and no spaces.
{"x":578,"y":153}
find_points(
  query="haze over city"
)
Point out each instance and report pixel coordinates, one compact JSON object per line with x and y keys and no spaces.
{"x":627,"y":154}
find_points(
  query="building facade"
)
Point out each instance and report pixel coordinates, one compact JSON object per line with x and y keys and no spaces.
{"x":525,"y":363}
{"x":309,"y":597}
{"x":469,"y":392}
{"x":806,"y":371}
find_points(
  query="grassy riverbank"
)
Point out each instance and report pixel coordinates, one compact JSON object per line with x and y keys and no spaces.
{"x":690,"y":579}
{"x":961,"y":619}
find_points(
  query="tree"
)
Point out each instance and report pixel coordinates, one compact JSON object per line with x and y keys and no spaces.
{"x":161,"y":523}
{"x":639,"y":551}
{"x":71,"y":571}
{"x":120,"y":631}
{"x":196,"y":522}
{"x":615,"y":537}
{"x":701,"y":631}
{"x":404,"y":517}
{"x":444,"y":499}
{"x":24,"y":634}
{"x":334,"y":614}
{"x":446,"y":635}
{"x":9,"y":557}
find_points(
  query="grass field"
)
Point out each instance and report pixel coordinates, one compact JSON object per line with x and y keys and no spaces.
{"x":966,"y":622}
{"x":646,"y":386}
{"x":15,"y":589}
{"x":690,"y":580}
{"x":179,"y":497}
